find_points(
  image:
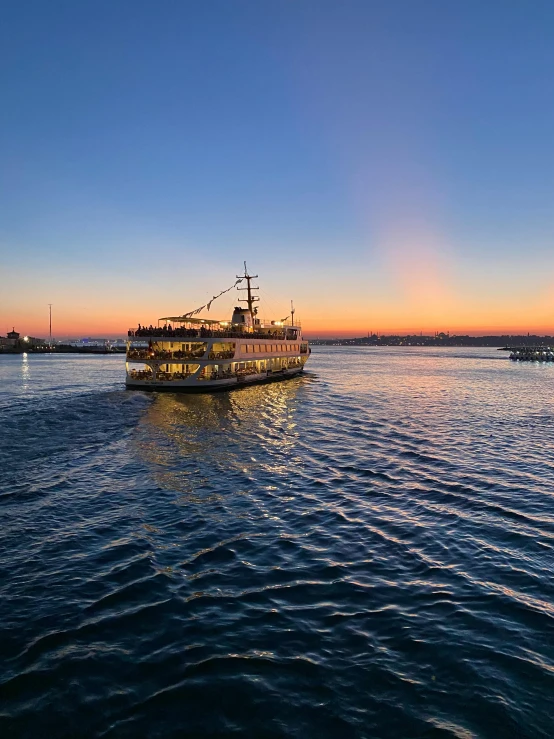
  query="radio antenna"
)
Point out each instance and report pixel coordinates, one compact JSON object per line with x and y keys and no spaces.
{"x":250,"y":299}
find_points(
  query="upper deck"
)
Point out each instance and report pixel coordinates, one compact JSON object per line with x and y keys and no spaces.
{"x":206,"y":329}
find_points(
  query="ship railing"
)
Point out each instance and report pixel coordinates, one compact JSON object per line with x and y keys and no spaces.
{"x":221,"y":355}
{"x":220,"y":375}
{"x":249,"y":371}
{"x":271,"y":322}
{"x":174,"y":333}
{"x":229,"y":374}
{"x":141,"y":375}
{"x":171,"y":376}
{"x":148,"y":354}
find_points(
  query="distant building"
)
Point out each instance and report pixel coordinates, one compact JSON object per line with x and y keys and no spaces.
{"x":10,"y":341}
{"x":13,"y":342}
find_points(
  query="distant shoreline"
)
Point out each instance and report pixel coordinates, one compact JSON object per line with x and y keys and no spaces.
{"x":444,"y":340}
{"x":62,"y":350}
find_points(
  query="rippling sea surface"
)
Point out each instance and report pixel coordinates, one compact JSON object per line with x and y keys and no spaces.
{"x":365,"y":551}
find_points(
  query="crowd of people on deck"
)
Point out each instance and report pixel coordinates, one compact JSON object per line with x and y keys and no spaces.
{"x":151,"y":354}
{"x":167,"y":331}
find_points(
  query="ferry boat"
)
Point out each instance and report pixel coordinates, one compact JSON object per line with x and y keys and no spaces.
{"x":190,"y":354}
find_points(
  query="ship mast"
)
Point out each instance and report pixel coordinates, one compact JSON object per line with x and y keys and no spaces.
{"x":251,"y":299}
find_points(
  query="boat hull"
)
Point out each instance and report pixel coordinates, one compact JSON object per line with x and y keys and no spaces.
{"x":214,"y":386}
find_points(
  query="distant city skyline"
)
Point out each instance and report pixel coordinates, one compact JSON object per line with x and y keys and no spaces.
{"x":387,"y":165}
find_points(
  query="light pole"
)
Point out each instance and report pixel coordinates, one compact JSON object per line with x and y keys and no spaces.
{"x":50,"y":307}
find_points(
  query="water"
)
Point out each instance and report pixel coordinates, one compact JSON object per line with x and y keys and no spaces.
{"x":366,"y":551}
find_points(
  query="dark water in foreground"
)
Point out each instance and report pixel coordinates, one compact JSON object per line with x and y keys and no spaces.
{"x":366,"y":551}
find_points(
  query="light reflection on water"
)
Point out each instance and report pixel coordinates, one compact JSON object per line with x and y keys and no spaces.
{"x":243,"y":431}
{"x":25,"y":372}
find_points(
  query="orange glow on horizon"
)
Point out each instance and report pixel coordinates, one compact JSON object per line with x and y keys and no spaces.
{"x":413,"y":290}
{"x":111,"y":325}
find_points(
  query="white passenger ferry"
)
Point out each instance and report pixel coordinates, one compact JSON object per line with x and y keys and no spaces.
{"x":191,"y":354}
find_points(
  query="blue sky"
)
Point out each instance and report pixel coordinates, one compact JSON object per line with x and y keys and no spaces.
{"x":394,"y":158}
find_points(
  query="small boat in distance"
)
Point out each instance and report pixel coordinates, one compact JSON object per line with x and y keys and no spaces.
{"x":192,"y":354}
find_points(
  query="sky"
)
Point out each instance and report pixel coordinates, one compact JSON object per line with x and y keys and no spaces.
{"x":386,"y":164}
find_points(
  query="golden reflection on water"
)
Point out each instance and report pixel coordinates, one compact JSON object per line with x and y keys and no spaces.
{"x":181,"y":436}
{"x":25,"y":372}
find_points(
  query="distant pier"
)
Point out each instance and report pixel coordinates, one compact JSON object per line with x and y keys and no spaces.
{"x":531,"y":353}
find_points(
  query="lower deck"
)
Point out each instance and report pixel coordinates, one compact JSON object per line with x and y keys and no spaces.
{"x":192,"y":385}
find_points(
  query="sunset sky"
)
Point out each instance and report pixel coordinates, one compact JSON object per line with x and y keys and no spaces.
{"x":389,"y":164}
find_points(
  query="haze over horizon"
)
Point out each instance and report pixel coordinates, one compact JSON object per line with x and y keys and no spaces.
{"x":387,"y":165}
